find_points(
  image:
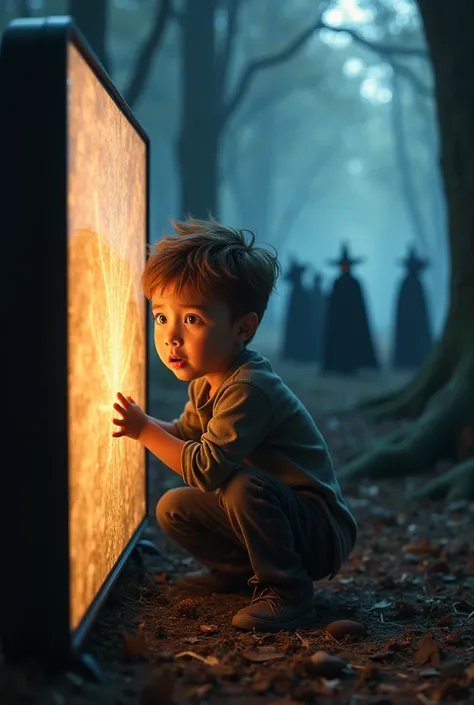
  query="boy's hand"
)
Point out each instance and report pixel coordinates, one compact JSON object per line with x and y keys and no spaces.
{"x":133,"y":418}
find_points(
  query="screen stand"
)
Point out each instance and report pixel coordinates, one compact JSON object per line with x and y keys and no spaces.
{"x":145,"y":546}
{"x":86,"y":667}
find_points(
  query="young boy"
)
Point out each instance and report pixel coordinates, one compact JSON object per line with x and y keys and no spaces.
{"x":262,"y":504}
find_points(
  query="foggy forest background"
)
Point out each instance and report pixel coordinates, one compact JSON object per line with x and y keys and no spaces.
{"x":321,"y":136}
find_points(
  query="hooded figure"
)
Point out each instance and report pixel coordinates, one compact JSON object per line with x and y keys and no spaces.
{"x":348,"y":342}
{"x":297,"y":341}
{"x":317,"y":302}
{"x":413,"y":340}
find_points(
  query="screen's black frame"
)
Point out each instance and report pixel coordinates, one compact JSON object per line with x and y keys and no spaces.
{"x":34,"y":582}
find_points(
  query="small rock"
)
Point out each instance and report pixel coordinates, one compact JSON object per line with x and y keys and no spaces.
{"x":339,"y":629}
{"x":325,"y":665}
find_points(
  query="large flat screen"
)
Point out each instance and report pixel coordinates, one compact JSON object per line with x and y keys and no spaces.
{"x":107,"y":175}
{"x":75,"y":220}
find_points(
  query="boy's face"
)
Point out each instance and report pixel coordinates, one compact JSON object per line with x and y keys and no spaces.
{"x":194,"y":337}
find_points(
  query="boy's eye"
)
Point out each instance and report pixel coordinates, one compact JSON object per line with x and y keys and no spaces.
{"x":159,"y":318}
{"x":191,"y":318}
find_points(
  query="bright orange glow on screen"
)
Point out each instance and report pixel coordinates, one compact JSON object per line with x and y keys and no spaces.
{"x":106,"y":329}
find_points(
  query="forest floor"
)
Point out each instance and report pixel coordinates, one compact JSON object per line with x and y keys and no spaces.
{"x":407,"y":591}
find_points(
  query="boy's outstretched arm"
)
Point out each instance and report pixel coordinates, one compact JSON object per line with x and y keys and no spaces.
{"x":165,"y":446}
{"x":135,"y":423}
{"x":165,"y":425}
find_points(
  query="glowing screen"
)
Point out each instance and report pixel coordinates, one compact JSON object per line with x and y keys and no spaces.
{"x":107,"y":201}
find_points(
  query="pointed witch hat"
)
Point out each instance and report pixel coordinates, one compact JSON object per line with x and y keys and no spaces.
{"x":412,"y":263}
{"x":294,"y":271}
{"x":345,"y":261}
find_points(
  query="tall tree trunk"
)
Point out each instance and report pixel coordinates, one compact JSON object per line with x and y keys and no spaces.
{"x":441,"y":397}
{"x":199,"y":139}
{"x":91,"y":16}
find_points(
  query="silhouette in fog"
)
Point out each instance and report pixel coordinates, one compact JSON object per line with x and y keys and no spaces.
{"x":297,"y":335}
{"x":348,"y":342}
{"x":413,"y":340}
{"x":317,"y":302}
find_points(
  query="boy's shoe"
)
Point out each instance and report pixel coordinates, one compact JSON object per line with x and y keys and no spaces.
{"x":270,"y":612}
{"x":205,"y":581}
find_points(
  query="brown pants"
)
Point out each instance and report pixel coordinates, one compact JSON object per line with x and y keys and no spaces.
{"x":255,"y":525}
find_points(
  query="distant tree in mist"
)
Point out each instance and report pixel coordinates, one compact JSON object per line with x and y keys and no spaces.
{"x":440,"y":398}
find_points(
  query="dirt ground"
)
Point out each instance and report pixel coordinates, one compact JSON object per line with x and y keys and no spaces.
{"x":406,"y":596}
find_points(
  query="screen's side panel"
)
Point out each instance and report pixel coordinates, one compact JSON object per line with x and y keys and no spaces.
{"x":107,"y":231}
{"x":33,"y":493}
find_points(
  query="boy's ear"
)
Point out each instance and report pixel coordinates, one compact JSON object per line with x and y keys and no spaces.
{"x":247,"y":325}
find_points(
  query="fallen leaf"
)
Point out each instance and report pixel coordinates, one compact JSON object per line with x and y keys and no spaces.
{"x":446,"y":621}
{"x":262,"y":653}
{"x":423,"y":546}
{"x":209,"y":660}
{"x":191,"y":640}
{"x":134,"y":644}
{"x":382,"y":605}
{"x":428,"y":652}
{"x":208,"y":628}
{"x":454,"y":637}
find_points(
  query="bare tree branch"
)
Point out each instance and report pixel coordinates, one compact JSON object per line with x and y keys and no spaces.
{"x":389,"y":51}
{"x":145,"y":55}
{"x":283,"y":91}
{"x":254,"y":67}
{"x":294,"y":46}
{"x":379,"y":47}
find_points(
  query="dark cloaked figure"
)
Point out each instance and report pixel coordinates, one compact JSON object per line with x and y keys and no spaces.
{"x":317,"y":302}
{"x":413,"y":338}
{"x":297,"y":336}
{"x":348,"y":344}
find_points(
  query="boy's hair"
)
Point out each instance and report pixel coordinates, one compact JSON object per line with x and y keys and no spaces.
{"x":218,"y":261}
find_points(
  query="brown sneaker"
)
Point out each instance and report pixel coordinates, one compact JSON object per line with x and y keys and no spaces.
{"x":205,"y":581}
{"x":270,"y":612}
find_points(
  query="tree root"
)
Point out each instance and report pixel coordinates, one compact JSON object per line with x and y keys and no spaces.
{"x":410,"y":401}
{"x":456,"y":484}
{"x":431,"y":438}
{"x":390,"y":441}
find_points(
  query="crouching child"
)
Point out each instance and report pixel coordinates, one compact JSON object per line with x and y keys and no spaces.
{"x":261,"y":507}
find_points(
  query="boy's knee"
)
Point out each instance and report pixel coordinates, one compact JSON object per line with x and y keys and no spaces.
{"x":169,"y":505}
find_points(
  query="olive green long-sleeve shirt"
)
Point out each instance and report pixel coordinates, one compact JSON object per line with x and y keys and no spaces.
{"x":255,"y":420}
